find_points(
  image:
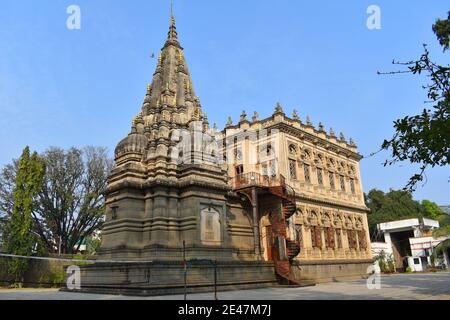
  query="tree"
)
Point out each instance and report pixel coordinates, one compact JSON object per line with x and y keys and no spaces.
{"x":93,"y":245}
{"x":19,"y":238}
{"x":424,"y":139}
{"x":7,"y":184}
{"x":391,"y":206}
{"x":69,"y":204}
{"x":432,"y":209}
{"x":434,"y":212}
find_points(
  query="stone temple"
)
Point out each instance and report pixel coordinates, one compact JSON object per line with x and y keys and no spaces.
{"x":262,"y":202}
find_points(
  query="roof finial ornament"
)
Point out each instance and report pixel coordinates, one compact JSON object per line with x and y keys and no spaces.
{"x":173,"y":30}
{"x":172,"y":18}
{"x":255,"y":117}
{"x":332,"y":134}
{"x":278,"y":108}
{"x":230,"y":122}
{"x":342,"y":137}
{"x":295,"y":115}
{"x":243,"y":116}
{"x":308,"y":121}
{"x":321,"y":127}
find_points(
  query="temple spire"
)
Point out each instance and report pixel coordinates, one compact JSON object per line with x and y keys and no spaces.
{"x":172,"y":37}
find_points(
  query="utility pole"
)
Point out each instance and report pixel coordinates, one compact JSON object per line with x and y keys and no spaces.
{"x":215,"y":280}
{"x":185,"y":270}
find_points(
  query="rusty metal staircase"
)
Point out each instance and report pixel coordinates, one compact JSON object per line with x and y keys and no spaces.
{"x":275,"y":185}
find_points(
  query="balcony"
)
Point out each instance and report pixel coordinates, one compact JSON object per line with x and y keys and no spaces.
{"x":254,"y":179}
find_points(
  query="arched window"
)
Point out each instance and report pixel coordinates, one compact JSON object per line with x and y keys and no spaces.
{"x":329,"y":237}
{"x":316,"y":237}
{"x":292,"y":149}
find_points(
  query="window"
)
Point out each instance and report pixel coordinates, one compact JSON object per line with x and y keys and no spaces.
{"x":329,"y":233}
{"x":299,"y":235}
{"x":342,"y":180}
{"x":237,"y":155}
{"x":239,"y":170}
{"x":352,"y":185}
{"x":339,"y":238}
{"x":307,"y":176}
{"x":292,"y":149}
{"x":331,"y":178}
{"x":351,"y":239}
{"x":319,"y":177}
{"x":293,"y":169}
{"x":316,"y":239}
{"x":362,"y":239}
{"x":114,"y":213}
{"x":273,"y":169}
{"x":264,"y":171}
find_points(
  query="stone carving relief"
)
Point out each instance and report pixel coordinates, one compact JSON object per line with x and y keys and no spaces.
{"x":210,"y":229}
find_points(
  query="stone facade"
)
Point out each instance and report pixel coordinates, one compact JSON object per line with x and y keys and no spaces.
{"x":330,"y":223}
{"x":254,"y":198}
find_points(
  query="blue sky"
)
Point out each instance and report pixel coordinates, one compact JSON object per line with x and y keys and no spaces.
{"x":61,"y":87}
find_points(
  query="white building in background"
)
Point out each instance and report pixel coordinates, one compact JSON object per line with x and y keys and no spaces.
{"x":410,"y":242}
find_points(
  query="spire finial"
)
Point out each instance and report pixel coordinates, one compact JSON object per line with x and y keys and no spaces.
{"x":172,"y":37}
{"x":172,"y":18}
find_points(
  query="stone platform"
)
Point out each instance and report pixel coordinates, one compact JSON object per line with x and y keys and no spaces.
{"x":167,"y":277}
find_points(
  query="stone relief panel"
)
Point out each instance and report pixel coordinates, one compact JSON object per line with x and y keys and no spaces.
{"x":210,"y":227}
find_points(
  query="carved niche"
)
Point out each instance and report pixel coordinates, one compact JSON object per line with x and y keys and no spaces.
{"x":210,"y":229}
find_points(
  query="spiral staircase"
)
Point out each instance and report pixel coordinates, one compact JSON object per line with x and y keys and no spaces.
{"x":251,"y":184}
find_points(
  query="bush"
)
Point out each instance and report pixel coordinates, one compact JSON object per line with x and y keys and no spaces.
{"x":52,"y":279}
{"x":385,"y":262}
{"x":409,"y":270}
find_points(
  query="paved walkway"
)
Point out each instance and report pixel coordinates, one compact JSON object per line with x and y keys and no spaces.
{"x":400,"y":286}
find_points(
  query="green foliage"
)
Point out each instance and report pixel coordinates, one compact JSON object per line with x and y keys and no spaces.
{"x":442,"y":30}
{"x":18,"y":237}
{"x":385,"y":262}
{"x":93,"y":245}
{"x":442,"y":217}
{"x":391,"y":206}
{"x":53,"y":279}
{"x":424,"y":139}
{"x":70,"y":204}
{"x":399,"y":205}
{"x":409,"y":270}
{"x":441,"y":247}
{"x":432,"y":209}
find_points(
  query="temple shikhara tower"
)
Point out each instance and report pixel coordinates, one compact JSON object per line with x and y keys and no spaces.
{"x":264,"y":201}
